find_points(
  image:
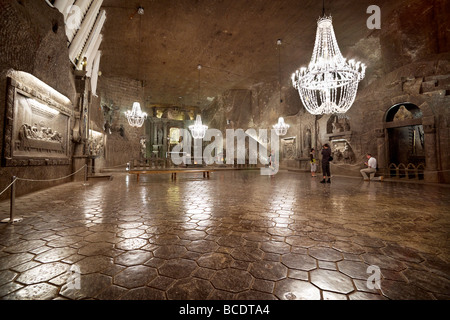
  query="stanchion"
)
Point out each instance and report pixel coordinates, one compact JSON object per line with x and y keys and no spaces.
{"x":12,"y":209}
{"x":86,"y":176}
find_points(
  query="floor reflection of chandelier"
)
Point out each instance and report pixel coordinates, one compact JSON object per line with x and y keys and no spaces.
{"x":281,"y":127}
{"x":330,"y":83}
{"x":136,"y":117}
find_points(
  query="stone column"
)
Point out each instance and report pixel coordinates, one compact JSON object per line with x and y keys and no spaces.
{"x":80,"y":154}
{"x":165,"y":130}
{"x":431,"y":167}
{"x":381,"y":150}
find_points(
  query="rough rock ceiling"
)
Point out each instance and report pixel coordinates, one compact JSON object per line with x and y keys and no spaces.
{"x":234,"y":40}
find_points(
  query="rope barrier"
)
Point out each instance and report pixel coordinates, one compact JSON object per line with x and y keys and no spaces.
{"x":120,"y":165}
{"x":8,"y":186}
{"x":12,"y":219}
{"x":33,"y":180}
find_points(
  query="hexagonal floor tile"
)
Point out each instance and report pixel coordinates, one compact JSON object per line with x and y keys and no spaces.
{"x":232,"y":280}
{"x":215,"y":260}
{"x":299,"y":261}
{"x":268,"y":270}
{"x":332,"y":281}
{"x":177,"y":268}
{"x":134,"y":257}
{"x":247,"y":253}
{"x":190,"y":289}
{"x":326,"y":254}
{"x":170,"y":252}
{"x":292,"y":289}
{"x":202,"y":246}
{"x":134,"y":277}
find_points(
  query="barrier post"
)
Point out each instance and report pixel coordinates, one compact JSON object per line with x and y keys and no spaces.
{"x":86,"y":176}
{"x":12,"y":205}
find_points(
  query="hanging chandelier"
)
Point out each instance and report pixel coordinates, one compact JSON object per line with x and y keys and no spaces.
{"x":330,"y":82}
{"x":281,"y":127}
{"x":136,"y":117}
{"x":198,"y":129}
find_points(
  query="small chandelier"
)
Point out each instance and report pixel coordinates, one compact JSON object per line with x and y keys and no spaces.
{"x":281,"y":127}
{"x":330,"y":83}
{"x":136,"y":117}
{"x":198,"y":129}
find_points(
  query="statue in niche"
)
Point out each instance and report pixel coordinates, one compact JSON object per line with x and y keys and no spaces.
{"x":338,"y":124}
{"x":348,"y":155}
{"x":307,"y":141}
{"x":108,"y":114}
{"x":96,"y":146}
{"x":403,"y":114}
{"x":336,"y":127}
{"x":160,"y":136}
{"x":143,"y":143}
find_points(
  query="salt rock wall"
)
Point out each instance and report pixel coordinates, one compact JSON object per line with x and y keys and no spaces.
{"x":33,"y":40}
{"x":122,"y":144}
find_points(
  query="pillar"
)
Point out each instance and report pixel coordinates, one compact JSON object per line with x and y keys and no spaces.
{"x":381,"y":150}
{"x":165,"y":148}
{"x":431,"y":167}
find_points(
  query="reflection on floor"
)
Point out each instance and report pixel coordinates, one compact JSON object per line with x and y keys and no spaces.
{"x":237,"y":235}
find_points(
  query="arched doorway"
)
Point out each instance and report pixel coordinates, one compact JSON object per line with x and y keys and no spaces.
{"x":405,"y":137}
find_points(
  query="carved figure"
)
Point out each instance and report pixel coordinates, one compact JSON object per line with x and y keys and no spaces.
{"x":160,"y":134}
{"x":403,"y":114}
{"x":45,"y":139}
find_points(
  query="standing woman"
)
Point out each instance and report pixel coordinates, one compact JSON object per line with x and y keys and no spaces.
{"x":326,"y":154}
{"x":312,"y":159}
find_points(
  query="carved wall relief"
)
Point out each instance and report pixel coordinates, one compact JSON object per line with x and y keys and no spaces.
{"x":37,"y":126}
{"x":289,"y":149}
{"x":96,"y":144}
{"x":342,"y":152}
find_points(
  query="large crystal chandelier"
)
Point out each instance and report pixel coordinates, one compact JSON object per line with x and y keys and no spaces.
{"x":330,"y":82}
{"x":136,"y":117}
{"x":281,"y":127}
{"x":198,"y":129}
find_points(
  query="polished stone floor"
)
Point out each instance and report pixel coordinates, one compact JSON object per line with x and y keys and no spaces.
{"x":237,"y":235}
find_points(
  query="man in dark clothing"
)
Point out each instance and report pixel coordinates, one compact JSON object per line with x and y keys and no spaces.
{"x":326,"y":154}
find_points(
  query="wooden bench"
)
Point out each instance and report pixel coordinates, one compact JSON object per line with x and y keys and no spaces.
{"x":173,"y":172}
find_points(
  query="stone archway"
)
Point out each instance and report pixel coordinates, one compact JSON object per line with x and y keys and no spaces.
{"x":406,"y":139}
{"x":409,"y":137}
